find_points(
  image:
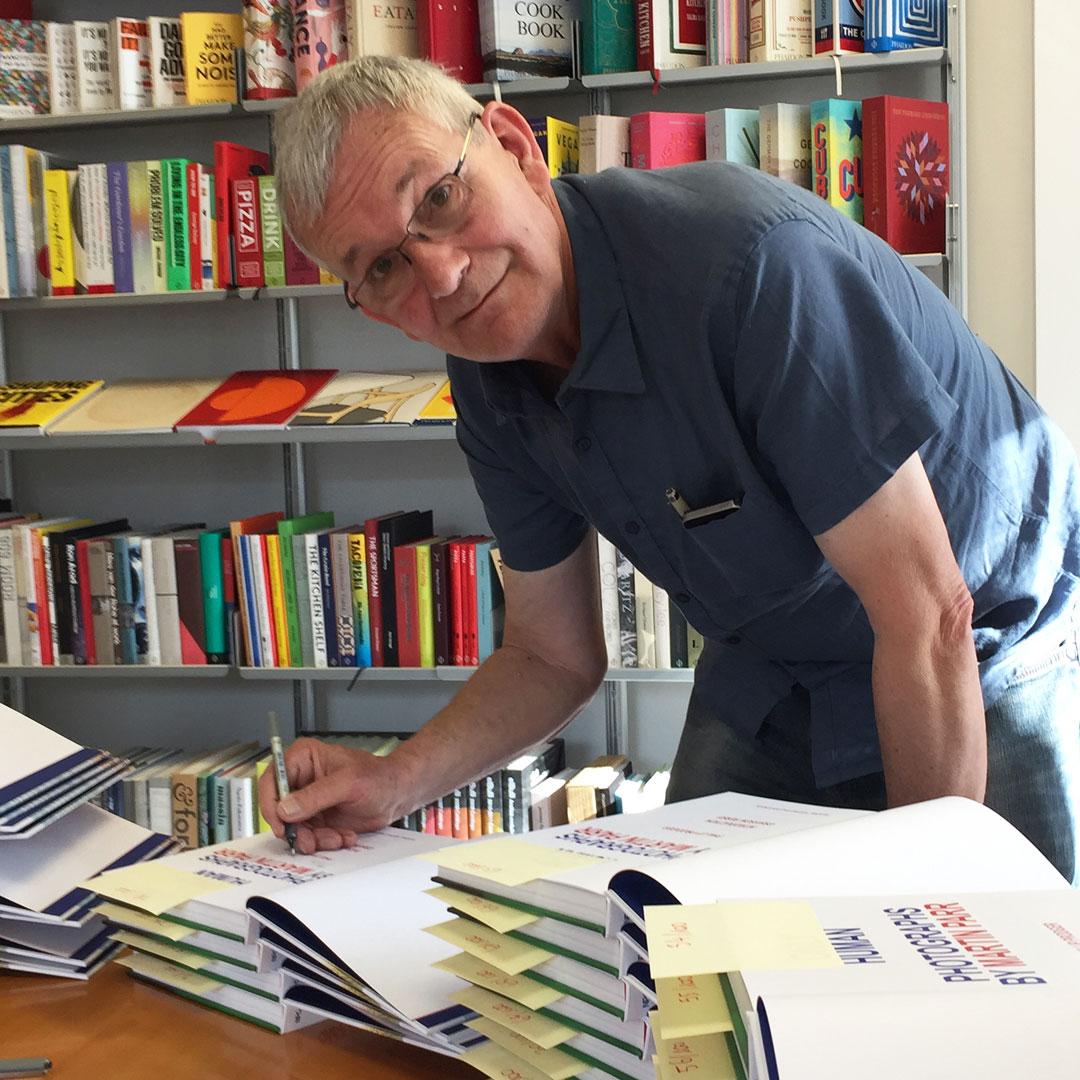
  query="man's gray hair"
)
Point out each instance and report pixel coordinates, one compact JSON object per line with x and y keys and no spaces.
{"x":308,"y":131}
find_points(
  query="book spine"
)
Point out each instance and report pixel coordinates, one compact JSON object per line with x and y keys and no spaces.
{"x":344,"y":622}
{"x":10,"y":249}
{"x":156,"y":201}
{"x":185,"y":808}
{"x":96,"y":229}
{"x":609,"y":599}
{"x":661,"y":627}
{"x":247,"y":242}
{"x":61,"y":244}
{"x":260,"y":588}
{"x":406,"y":609}
{"x":273,"y":250}
{"x":207,"y":244}
{"x":69,"y":619}
{"x":624,"y":572}
{"x":643,"y":620}
{"x":316,"y":609}
{"x":142,"y":266}
{"x":388,"y":590}
{"x":39,"y":627}
{"x":189,"y":600}
{"x":485,"y":602}
{"x":329,"y":600}
{"x":470,"y":621}
{"x":358,"y":577}
{"x":440,"y":602}
{"x":371,"y":550}
{"x":138,"y":598}
{"x":213,"y":597}
{"x":100,"y":626}
{"x":246,"y":595}
{"x":232,"y":617}
{"x":177,"y":249}
{"x":194,"y":223}
{"x":457,"y":598}
{"x":320,"y":37}
{"x":153,"y":633}
{"x":298,"y":543}
{"x":425,"y":609}
{"x":113,"y":607}
{"x":9,"y":597}
{"x":125,"y":599}
{"x":131,"y":48}
{"x":166,"y":62}
{"x":299,"y":269}
{"x":277,"y":599}
{"x":63,"y":70}
{"x":677,"y":635}
{"x":120,"y":226}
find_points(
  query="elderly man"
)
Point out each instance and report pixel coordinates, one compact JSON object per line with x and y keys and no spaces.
{"x":876,"y":529}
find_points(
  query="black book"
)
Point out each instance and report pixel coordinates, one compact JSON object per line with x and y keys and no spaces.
{"x":677,"y":632}
{"x":393,"y":531}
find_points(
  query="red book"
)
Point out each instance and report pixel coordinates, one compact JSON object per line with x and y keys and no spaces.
{"x":189,"y":599}
{"x":906,"y":172}
{"x":231,"y":162}
{"x":658,"y":139}
{"x":374,"y":584}
{"x":247,"y":233}
{"x":449,"y":32}
{"x":468,"y":588}
{"x":228,"y":578}
{"x":16,"y":9}
{"x":408,"y":606}
{"x":299,"y":269}
{"x":457,"y":639}
{"x":255,"y":401}
{"x":429,"y":819}
{"x":194,"y":225}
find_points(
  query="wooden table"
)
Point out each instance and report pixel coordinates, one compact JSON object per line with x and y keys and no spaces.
{"x":114,"y":1027}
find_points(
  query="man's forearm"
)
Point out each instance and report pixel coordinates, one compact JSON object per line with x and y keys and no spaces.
{"x":930,"y":719}
{"x":513,"y":701}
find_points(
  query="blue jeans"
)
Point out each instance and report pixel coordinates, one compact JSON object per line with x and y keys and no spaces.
{"x":1033,"y":757}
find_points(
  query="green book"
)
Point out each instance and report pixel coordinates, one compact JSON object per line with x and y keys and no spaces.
{"x":608,"y":36}
{"x":177,"y":243}
{"x":213,"y":595}
{"x":273,"y":245}
{"x":287,"y":529}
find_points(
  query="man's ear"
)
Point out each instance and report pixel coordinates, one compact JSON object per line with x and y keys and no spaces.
{"x":511,"y":130}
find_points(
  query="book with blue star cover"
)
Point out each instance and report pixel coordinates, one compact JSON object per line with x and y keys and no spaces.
{"x":836,"y":136}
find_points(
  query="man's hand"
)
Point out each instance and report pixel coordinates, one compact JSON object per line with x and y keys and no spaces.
{"x":337,"y":792}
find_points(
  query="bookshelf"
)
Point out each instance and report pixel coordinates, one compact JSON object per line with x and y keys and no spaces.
{"x":175,"y":477}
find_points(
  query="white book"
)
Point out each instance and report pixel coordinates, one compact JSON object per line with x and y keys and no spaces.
{"x":662,"y":627}
{"x":315,"y":599}
{"x":609,"y":599}
{"x":241,"y":802}
{"x":781,"y":30}
{"x":96,"y":78}
{"x":97,"y":238}
{"x":672,"y":34}
{"x":9,"y":597}
{"x":166,"y":601}
{"x":643,"y":620}
{"x":207,"y":225}
{"x":603,"y":143}
{"x":166,"y":61}
{"x":376,"y":30}
{"x":785,"y":142}
{"x":260,"y":588}
{"x":19,"y":157}
{"x":63,"y":69}
{"x":130,"y":41}
{"x":153,"y":633}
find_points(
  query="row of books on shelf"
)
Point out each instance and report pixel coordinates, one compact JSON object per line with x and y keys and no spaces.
{"x":259,"y":400}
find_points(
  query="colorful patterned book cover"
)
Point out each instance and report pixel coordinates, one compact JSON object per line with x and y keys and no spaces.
{"x":525,"y":39}
{"x":320,"y":37}
{"x":781,"y":30}
{"x":671,"y":34}
{"x":905,"y":24}
{"x":839,"y":26}
{"x":733,"y":135}
{"x":268,"y":49}
{"x":836,"y":132}
{"x":608,"y":36}
{"x":35,"y":405}
{"x":559,"y":143}
{"x":659,"y":139}
{"x":728,"y":29}
{"x":256,"y":400}
{"x":24,"y":68}
{"x":366,"y":397}
{"x":906,"y":172}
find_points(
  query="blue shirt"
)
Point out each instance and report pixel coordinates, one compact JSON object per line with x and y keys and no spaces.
{"x":740,"y":339}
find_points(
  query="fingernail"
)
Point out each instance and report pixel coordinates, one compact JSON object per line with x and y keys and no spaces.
{"x":288,"y":806}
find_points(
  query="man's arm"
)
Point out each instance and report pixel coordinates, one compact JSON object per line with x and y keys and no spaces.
{"x":550,"y":663}
{"x":894,"y":551}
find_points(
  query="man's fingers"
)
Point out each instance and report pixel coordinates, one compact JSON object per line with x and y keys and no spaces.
{"x":317,"y":796}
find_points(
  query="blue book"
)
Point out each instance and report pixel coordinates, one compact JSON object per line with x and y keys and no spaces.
{"x":125,"y":598}
{"x":488,"y":598}
{"x":120,"y":226}
{"x":249,"y":602}
{"x":905,"y":24}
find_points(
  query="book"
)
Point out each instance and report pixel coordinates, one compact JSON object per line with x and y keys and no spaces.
{"x":273,"y":246}
{"x":24,"y":68}
{"x":905,"y":24}
{"x":906,"y":172}
{"x":168,"y":86}
{"x":96,"y":70}
{"x":609,"y":599}
{"x":299,"y":269}
{"x":96,"y":229}
{"x":237,"y":530}
{"x":377,"y":30}
{"x":276,"y":586}
{"x":232,"y":162}
{"x":838,"y":26}
{"x":781,"y":30}
{"x":320,"y":37}
{"x":659,"y":139}
{"x":207,"y":231}
{"x":155,"y":188}
{"x":727,"y":32}
{"x":836,"y":133}
{"x":63,"y":69}
{"x":58,"y":188}
{"x":393,"y":531}
{"x":116,"y":178}
{"x":247,"y":232}
{"x":785,"y":142}
{"x":624,"y":581}
{"x":166,"y":601}
{"x":362,"y":397}
{"x":136,"y":405}
{"x":489,"y":601}
{"x":174,"y":188}
{"x":733,"y":135}
{"x":448,"y":34}
{"x":440,"y":408}
{"x":213,"y":595}
{"x":195,"y":214}
{"x":35,"y":406}
{"x":131,"y":50}
{"x":269,"y":68}
{"x":661,"y":621}
{"x":520,"y":777}
{"x":670,"y":34}
{"x":189,"y":598}
{"x":608,"y":36}
{"x":533,"y":42}
{"x":287,"y":528}
{"x":603,"y":143}
{"x":209,"y":39}
{"x":254,"y":400}
{"x":558,"y":140}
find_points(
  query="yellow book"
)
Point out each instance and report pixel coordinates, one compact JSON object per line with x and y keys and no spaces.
{"x":277,"y":597}
{"x":58,"y":183}
{"x":559,"y":141}
{"x":209,"y":39}
{"x":33,"y":406}
{"x":326,"y":278}
{"x":440,"y":409}
{"x":261,"y":824}
{"x":426,"y":622}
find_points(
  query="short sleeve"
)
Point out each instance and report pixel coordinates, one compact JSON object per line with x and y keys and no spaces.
{"x":829,"y":389}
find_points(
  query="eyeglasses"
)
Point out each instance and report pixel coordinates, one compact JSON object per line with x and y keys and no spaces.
{"x":442,"y":212}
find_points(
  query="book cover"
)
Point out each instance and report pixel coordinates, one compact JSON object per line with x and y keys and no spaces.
{"x":177,"y":244}
{"x":320,"y":37}
{"x":344,"y":625}
{"x":624,"y":581}
{"x":34,"y":406}
{"x":603,"y":143}
{"x":213,"y":596}
{"x":189,"y":599}
{"x":608,"y":36}
{"x":63,"y":69}
{"x":361,"y":397}
{"x":286,"y":530}
{"x":785,"y":142}
{"x":273,"y":247}
{"x":905,"y":24}
{"x":270,"y":70}
{"x":358,"y":581}
{"x":644,"y":626}
{"x":906,"y":172}
{"x":440,"y":409}
{"x":489,"y":601}
{"x":125,"y":552}
{"x":138,"y":190}
{"x":393,"y":531}
{"x":58,"y":185}
{"x":96,"y":228}
{"x":96,"y":75}
{"x":468,"y":601}
{"x":299,"y":269}
{"x":209,"y":39}
{"x":254,"y":400}
{"x":247,"y":233}
{"x":670,"y":34}
{"x":155,"y":188}
{"x":375,"y":29}
{"x":231,"y":162}
{"x":558,"y":141}
{"x":659,"y":139}
{"x":448,"y":32}
{"x":168,"y":86}
{"x":374,"y":576}
{"x":408,"y":602}
{"x":836,"y":127}
{"x":207,"y":230}
{"x":733,"y":135}
{"x":838,"y":26}
{"x":728,"y":32}
{"x":24,"y":68}
{"x":609,"y":599}
{"x":131,"y":48}
{"x":527,"y":41}
{"x":193,"y":176}
{"x":781,"y":30}
{"x":116,"y":178}
{"x":37,"y":257}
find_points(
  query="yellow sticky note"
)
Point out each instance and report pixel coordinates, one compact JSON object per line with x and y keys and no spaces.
{"x":552,"y":1063}
{"x":520,"y":988}
{"x":152,"y":886}
{"x":174,"y":954}
{"x":498,"y":1063}
{"x":699,"y":939}
{"x":507,"y":860}
{"x":701,"y":1055}
{"x":163,"y":971}
{"x":504,"y":952}
{"x":691,"y":1005}
{"x":149,"y":923}
{"x":541,"y":1030}
{"x":498,"y":916}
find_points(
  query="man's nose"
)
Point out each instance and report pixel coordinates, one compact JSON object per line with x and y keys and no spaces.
{"x":438,"y":264}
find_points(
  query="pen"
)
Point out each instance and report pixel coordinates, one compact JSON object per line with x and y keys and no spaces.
{"x":24,"y":1066}
{"x":281,"y":776}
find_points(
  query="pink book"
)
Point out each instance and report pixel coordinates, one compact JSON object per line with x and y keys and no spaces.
{"x":659,"y":139}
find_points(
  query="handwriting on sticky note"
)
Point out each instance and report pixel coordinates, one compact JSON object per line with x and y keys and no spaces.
{"x":691,"y":1005}
{"x":703,"y":1055}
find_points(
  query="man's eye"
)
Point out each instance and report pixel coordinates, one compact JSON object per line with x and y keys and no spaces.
{"x":438,"y":197}
{"x":381,"y":268}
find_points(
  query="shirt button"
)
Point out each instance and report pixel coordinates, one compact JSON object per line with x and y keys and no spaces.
{"x":632,"y":527}
{"x":682,"y":598}
{"x":732,"y":639}
{"x":583,"y":443}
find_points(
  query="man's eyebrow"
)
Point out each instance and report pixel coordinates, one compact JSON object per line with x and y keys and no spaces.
{"x":405,"y":181}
